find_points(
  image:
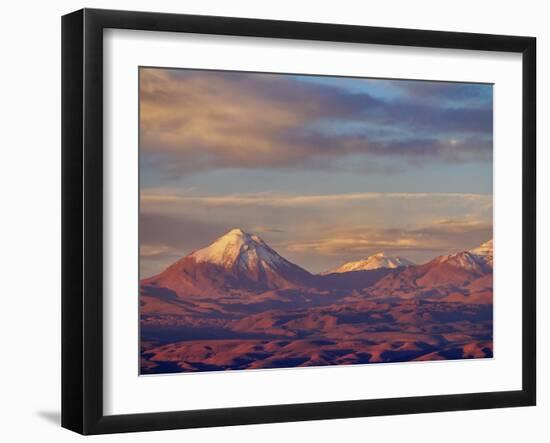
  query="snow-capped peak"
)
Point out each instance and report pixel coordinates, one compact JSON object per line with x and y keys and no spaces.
{"x":376,"y":261}
{"x":475,"y":259}
{"x":484,"y":253}
{"x":241,"y":249}
{"x":484,"y":249}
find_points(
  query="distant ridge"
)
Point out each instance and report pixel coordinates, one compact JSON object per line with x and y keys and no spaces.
{"x":240,"y":265}
{"x":452,"y":271}
{"x":376,"y":261}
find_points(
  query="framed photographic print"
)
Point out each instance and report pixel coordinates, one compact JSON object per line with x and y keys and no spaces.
{"x":269,"y":221}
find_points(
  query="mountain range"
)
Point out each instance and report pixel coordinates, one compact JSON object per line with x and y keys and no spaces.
{"x":238,"y":289}
{"x":239,"y":261}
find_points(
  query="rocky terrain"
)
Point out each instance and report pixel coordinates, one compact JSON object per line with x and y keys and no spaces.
{"x":237,"y":304}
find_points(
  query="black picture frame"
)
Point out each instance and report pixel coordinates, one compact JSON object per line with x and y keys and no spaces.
{"x":82,"y":219}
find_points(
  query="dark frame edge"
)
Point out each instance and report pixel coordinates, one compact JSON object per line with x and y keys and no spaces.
{"x":306,"y":412}
{"x":529,"y":219}
{"x":72,"y":117}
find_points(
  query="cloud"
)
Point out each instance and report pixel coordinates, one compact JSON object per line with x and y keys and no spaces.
{"x":178,"y":231}
{"x":437,"y":237}
{"x":474,"y":94}
{"x":170,"y":199}
{"x":193,"y":121}
{"x":317,"y":231}
{"x":264,"y":229}
{"x":154,"y":250}
{"x":318,"y":246}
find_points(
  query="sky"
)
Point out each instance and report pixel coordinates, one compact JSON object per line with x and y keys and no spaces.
{"x":325,"y":169}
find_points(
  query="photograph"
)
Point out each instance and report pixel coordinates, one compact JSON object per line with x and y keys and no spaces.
{"x":300,"y":220}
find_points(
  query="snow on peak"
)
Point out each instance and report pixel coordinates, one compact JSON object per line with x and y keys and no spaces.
{"x":484,"y":249}
{"x":484,"y":253}
{"x":475,"y":259}
{"x":376,"y":261}
{"x":241,"y":249}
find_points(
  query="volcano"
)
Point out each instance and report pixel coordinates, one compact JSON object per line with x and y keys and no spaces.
{"x":235,"y":261}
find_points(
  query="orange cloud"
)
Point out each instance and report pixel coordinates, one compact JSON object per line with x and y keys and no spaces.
{"x":434,"y":237}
